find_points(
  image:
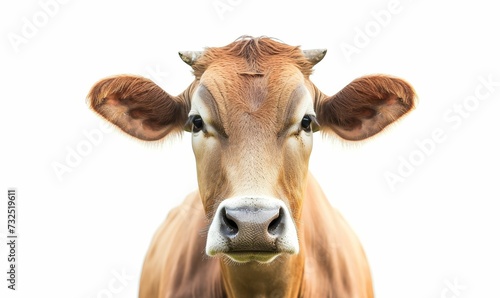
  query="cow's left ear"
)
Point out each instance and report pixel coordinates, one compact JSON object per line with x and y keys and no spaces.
{"x":365,"y":106}
{"x":139,"y":107}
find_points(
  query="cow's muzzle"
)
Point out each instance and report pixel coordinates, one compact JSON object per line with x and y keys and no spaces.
{"x":252,"y":229}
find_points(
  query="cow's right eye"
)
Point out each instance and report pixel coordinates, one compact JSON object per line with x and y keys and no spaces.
{"x":306,"y":123}
{"x":197,"y":123}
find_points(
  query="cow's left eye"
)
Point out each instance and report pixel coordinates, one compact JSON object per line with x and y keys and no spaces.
{"x":197,"y":123}
{"x":306,"y":123}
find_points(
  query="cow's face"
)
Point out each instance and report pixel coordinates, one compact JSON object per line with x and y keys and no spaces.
{"x":252,"y":111}
{"x":252,"y":137}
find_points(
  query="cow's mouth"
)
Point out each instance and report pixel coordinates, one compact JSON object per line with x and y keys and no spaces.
{"x":246,"y":255}
{"x":252,"y":256}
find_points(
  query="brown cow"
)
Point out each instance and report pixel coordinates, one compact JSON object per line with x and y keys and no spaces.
{"x":259,"y":224}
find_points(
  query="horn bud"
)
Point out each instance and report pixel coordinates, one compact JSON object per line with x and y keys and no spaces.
{"x":314,"y":56}
{"x":190,"y":57}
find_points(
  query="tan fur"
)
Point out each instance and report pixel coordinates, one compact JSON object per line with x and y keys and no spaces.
{"x":335,"y":264}
{"x":253,"y":94}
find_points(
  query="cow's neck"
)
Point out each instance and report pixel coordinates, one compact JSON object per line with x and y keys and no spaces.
{"x":281,"y":278}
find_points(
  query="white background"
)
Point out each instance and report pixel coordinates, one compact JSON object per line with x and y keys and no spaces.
{"x":435,"y":233}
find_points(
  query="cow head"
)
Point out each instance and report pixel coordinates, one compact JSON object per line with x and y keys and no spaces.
{"x":252,"y":112}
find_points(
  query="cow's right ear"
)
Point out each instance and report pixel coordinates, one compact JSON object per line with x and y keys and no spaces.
{"x":139,"y":107}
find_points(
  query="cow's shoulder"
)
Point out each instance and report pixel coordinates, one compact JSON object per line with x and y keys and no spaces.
{"x":176,"y":260}
{"x":336,"y":265}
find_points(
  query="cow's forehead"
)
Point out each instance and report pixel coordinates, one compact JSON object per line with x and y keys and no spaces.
{"x":237,"y":92}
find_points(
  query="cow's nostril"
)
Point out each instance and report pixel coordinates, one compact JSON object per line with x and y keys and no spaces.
{"x":229,"y":226}
{"x":276,"y":225}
